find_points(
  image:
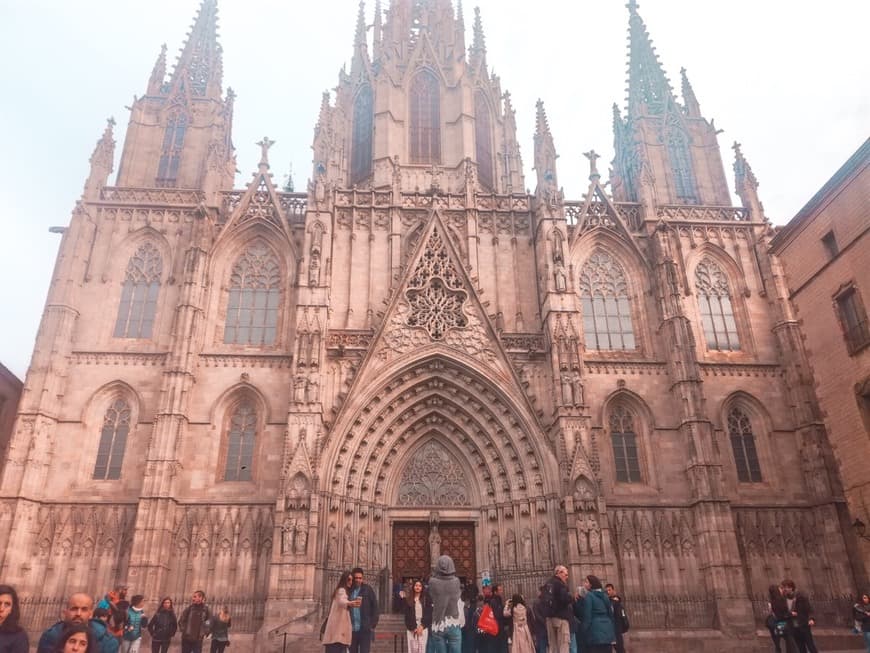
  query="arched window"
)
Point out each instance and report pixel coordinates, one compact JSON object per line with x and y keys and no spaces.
{"x":255,"y":298}
{"x":170,"y":156}
{"x":483,"y":140}
{"x":624,"y":439}
{"x":681,"y":164}
{"x":743,"y":445}
{"x":113,"y":441}
{"x":606,"y":309}
{"x":139,"y":293}
{"x":425,"y":123}
{"x":717,"y":312}
{"x":361,"y":147}
{"x":240,"y":443}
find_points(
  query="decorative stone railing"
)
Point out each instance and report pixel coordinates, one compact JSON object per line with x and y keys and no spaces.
{"x":156,"y":196}
{"x":692,"y":213}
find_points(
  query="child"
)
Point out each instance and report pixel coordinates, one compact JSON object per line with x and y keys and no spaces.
{"x":136,"y":621}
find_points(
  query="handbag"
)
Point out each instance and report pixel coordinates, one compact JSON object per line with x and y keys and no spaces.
{"x":487,"y":623}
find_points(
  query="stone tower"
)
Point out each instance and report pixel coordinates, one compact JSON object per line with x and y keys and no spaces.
{"x":249,"y":390}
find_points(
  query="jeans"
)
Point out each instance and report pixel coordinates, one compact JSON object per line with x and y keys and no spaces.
{"x":448,"y":640}
{"x":867,"y":640}
{"x":130,"y":646}
{"x":191,"y":646}
{"x":160,"y":647}
{"x":803,"y":637}
{"x":218,"y":646}
{"x":361,"y":641}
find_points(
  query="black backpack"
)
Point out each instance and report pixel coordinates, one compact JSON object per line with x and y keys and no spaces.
{"x":548,"y":600}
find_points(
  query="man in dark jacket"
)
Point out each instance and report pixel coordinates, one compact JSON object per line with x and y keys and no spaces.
{"x":79,"y":610}
{"x":192,"y":623}
{"x":802,"y":617}
{"x":619,"y":617}
{"x":364,"y":619}
{"x":560,"y":613}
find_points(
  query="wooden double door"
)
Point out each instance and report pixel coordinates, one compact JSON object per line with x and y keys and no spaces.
{"x":411,"y":549}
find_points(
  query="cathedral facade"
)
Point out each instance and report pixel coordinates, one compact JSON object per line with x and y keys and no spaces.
{"x":249,"y":390}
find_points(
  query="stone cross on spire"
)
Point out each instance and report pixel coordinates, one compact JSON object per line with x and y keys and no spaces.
{"x":265,"y":144}
{"x":593,"y":165}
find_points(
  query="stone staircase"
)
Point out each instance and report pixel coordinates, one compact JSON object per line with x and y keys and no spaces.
{"x":389,"y":638}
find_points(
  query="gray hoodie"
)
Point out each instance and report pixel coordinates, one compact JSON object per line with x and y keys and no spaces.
{"x":444,"y":588}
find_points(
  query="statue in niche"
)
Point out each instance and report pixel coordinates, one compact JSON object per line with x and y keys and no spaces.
{"x":300,"y":543}
{"x":299,"y":386}
{"x":558,"y":251}
{"x":313,"y":390}
{"x":544,"y":543}
{"x":434,"y":544}
{"x":528,"y":555}
{"x":577,"y":388}
{"x":288,"y":530}
{"x":347,"y":542}
{"x":363,"y":544}
{"x":376,"y":553}
{"x":567,"y":389}
{"x":332,"y":543}
{"x":561,"y":279}
{"x":493,"y":551}
{"x":314,"y":269}
{"x":594,"y":535}
{"x":510,"y":549}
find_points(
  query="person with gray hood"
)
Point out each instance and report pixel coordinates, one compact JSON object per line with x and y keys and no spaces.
{"x":447,"y":618}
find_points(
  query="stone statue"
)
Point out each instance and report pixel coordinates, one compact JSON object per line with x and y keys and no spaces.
{"x":561,"y":280}
{"x":434,"y":545}
{"x":544,"y":543}
{"x":376,"y":553}
{"x":510,"y":549}
{"x":528,"y":555}
{"x":567,"y":389}
{"x":299,"y":385}
{"x":287,"y":533}
{"x":577,"y":388}
{"x":363,"y":544}
{"x":314,"y":270}
{"x":493,"y":551}
{"x":558,"y":251}
{"x":347,"y":542}
{"x":300,"y":543}
{"x":332,"y":543}
{"x":313,"y":390}
{"x":594,"y":535}
{"x":580,"y":527}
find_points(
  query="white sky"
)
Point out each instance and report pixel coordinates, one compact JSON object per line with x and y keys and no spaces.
{"x":786,"y":78}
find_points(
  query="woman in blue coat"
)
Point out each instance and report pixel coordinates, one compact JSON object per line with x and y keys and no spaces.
{"x":596,"y":627}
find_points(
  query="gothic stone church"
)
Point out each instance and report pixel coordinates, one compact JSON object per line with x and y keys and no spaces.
{"x":249,"y":390}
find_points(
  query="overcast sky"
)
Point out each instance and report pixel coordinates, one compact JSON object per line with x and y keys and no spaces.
{"x":788,"y":79}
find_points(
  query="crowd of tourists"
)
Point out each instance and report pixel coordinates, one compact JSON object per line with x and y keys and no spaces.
{"x":116,"y":625}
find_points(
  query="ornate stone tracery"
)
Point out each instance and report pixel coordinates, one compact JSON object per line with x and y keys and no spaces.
{"x":433,"y":477}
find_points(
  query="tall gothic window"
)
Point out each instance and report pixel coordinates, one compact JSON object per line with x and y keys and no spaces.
{"x":255,"y":298}
{"x":624,"y":439}
{"x":240,"y":443}
{"x":113,"y":441}
{"x":139,"y":293}
{"x":717,"y":311}
{"x":425,"y":123}
{"x":606,"y":309}
{"x":361,"y":148}
{"x":170,"y":156}
{"x":483,"y":140}
{"x":681,"y":164}
{"x":743,"y":445}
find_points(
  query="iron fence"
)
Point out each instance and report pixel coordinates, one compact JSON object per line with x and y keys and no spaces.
{"x":828,"y":611}
{"x":669,"y":612}
{"x":40,"y":612}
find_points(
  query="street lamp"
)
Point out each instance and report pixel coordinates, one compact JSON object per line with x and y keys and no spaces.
{"x":860,"y":529}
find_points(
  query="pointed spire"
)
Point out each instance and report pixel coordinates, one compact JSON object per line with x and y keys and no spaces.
{"x":692,"y":108}
{"x":102,"y":161}
{"x":460,"y":29}
{"x":200,"y":64}
{"x":745,"y":182}
{"x":649,"y":90}
{"x":359,"y":39}
{"x":477,"y":51}
{"x":542,"y":125}
{"x":376,"y":31}
{"x":545,"y":156}
{"x":158,"y":73}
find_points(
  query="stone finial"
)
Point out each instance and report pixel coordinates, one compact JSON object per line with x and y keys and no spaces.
{"x":265,"y":144}
{"x":593,"y":157}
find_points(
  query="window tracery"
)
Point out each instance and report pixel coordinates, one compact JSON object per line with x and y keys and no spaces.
{"x":170,"y":157}
{"x":361,"y":147}
{"x":113,"y":441}
{"x":425,"y":118}
{"x":681,"y":163}
{"x":139,"y":293}
{"x":743,"y":446}
{"x":433,"y":477}
{"x":483,"y":141}
{"x":254,"y":298}
{"x":240,"y":443}
{"x":717,"y":311}
{"x":605,"y":302}
{"x":624,"y":439}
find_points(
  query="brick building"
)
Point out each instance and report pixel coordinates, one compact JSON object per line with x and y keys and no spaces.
{"x":825,"y":252}
{"x":248,"y":390}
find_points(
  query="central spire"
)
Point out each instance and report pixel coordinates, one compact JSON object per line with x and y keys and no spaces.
{"x":200,"y":64}
{"x":649,"y":90}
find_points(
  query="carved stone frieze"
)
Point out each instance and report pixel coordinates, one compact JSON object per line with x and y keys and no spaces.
{"x":246,"y":360}
{"x":343,"y":340}
{"x":691,"y":213}
{"x":625,"y":367}
{"x":156,"y":196}
{"x":117,"y":358}
{"x":742,"y":369}
{"x":528,"y":343}
{"x":148,"y":215}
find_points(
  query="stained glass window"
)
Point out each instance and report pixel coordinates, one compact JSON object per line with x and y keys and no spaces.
{"x":717,"y":311}
{"x":425,"y":123}
{"x":483,"y":140}
{"x":606,"y":308}
{"x":139,"y":293}
{"x":624,"y":439}
{"x":113,"y":441}
{"x":361,"y":148}
{"x":743,"y":445}
{"x":240,"y":443}
{"x":170,"y":156}
{"x":254,"y":299}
